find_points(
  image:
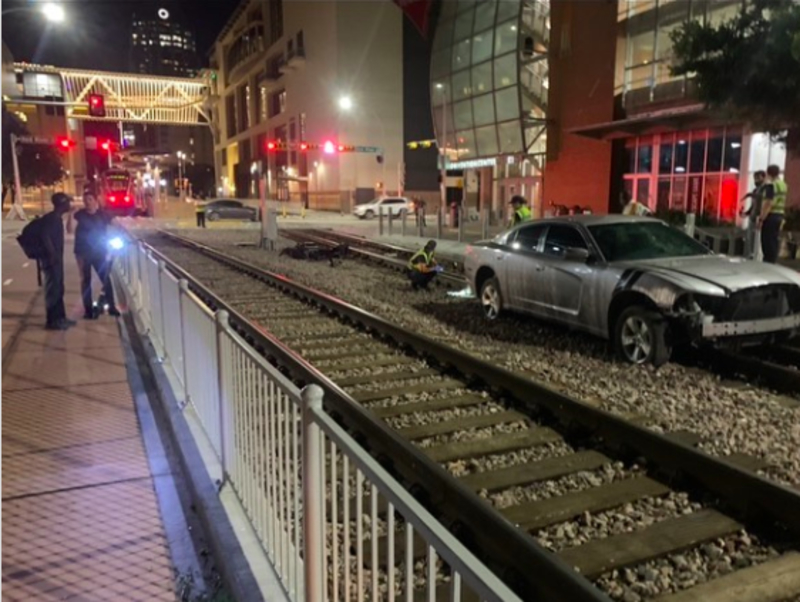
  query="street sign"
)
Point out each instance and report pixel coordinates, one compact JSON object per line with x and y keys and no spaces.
{"x":367,"y":149}
{"x":35,"y":140}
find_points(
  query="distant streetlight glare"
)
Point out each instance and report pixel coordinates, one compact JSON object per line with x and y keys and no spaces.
{"x":54,"y":12}
{"x":345,"y":103}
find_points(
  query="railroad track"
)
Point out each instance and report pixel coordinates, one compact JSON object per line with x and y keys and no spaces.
{"x":775,"y":367}
{"x":507,"y":463}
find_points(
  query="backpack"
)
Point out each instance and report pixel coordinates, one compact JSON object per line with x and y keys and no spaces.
{"x":31,"y":240}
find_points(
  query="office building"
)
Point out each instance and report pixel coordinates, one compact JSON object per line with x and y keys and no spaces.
{"x":317,"y":72}
{"x":161,"y":44}
{"x":636,"y":129}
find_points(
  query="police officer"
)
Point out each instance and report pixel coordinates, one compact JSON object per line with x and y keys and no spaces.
{"x":775,"y":193}
{"x":521,"y":211}
{"x":91,"y":252}
{"x":422,"y":267}
{"x":753,"y":212}
{"x":200,"y":212}
{"x":52,"y":262}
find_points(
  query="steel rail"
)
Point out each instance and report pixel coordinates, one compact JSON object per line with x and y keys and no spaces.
{"x":527,"y":568}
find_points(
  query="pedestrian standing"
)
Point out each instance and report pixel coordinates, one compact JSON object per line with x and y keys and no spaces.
{"x":91,"y":252}
{"x":521,"y":211}
{"x":200,"y":212}
{"x":752,"y":212}
{"x":774,"y":206}
{"x":419,"y":210}
{"x":52,"y":262}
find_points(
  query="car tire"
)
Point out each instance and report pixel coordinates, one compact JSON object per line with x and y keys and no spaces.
{"x":212,"y":217}
{"x":641,"y":336}
{"x":369,"y":214}
{"x":491,"y":299}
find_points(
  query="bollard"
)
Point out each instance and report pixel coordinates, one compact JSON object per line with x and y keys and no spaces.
{"x":391,"y":220}
{"x":439,"y":223}
{"x":484,"y":223}
{"x":380,"y":221}
{"x":460,"y":215}
{"x":689,"y":228}
{"x":420,"y":222}
{"x":403,"y":215}
{"x":313,"y":495}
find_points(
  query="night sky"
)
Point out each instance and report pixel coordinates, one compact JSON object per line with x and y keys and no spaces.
{"x":96,"y":34}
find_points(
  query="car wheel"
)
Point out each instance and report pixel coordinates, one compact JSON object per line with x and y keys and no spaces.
{"x":369,"y":214}
{"x":491,"y":299}
{"x":212,"y":217}
{"x":641,"y":336}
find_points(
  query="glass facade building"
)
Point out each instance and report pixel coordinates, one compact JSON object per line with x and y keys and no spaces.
{"x":489,"y":78}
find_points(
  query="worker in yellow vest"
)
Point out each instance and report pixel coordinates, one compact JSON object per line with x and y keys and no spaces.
{"x":521,"y":211}
{"x":422,"y":267}
{"x":772,"y":211}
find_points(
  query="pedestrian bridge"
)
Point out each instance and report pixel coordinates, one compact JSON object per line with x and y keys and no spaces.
{"x":129,"y":97}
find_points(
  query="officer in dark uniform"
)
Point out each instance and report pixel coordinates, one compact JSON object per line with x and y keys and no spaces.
{"x":91,"y":251}
{"x":52,"y":262}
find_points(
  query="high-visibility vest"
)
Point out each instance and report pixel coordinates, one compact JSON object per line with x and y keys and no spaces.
{"x":779,"y":200}
{"x":421,"y":253}
{"x":523,"y":214}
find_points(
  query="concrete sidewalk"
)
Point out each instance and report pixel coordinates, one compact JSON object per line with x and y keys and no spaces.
{"x":81,"y":518}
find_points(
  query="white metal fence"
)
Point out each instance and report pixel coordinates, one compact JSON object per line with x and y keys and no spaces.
{"x":335,"y":525}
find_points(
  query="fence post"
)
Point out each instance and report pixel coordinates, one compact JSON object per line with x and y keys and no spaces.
{"x":403,"y":215}
{"x":391,"y":220}
{"x":439,"y":223}
{"x":183,"y":290}
{"x":380,"y":220}
{"x":421,"y":221}
{"x":222,"y":326}
{"x":161,"y":267}
{"x":484,"y":223}
{"x":313,"y":525}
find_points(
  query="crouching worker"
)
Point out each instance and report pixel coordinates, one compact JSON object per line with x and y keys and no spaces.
{"x":422,"y":267}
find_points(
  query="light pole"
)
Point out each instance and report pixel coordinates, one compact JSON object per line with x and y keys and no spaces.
{"x":181,"y":156}
{"x":346,"y":105}
{"x":443,"y":145}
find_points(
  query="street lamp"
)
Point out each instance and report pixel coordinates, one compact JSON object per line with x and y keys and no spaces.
{"x":443,"y":146}
{"x":181,"y":156}
{"x":345,"y":103}
{"x":53,"y":13}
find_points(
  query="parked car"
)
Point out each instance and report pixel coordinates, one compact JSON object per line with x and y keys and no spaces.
{"x":395,"y":205}
{"x":229,"y":209}
{"x":637,"y":281}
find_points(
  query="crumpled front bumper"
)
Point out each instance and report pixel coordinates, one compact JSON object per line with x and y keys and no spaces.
{"x":715,"y":330}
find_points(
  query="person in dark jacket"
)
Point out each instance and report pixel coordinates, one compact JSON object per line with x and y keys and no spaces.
{"x":91,"y":251}
{"x":52,"y":262}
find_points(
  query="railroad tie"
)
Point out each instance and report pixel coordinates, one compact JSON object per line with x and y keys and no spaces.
{"x":532,"y":472}
{"x":775,"y":580}
{"x":668,"y":536}
{"x":463,"y":450}
{"x":538,"y":514}
{"x":429,"y":405}
{"x":402,"y":391}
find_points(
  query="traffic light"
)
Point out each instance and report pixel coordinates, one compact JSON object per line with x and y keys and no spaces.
{"x":329,"y":147}
{"x":106,"y":145}
{"x":97,"y":105}
{"x":64,"y":143}
{"x":346,"y":148}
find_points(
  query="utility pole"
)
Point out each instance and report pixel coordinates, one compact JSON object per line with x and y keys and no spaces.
{"x":16,"y":205}
{"x":443,"y":172}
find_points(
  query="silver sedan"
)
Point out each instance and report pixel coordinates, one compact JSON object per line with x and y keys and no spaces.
{"x":636,"y":281}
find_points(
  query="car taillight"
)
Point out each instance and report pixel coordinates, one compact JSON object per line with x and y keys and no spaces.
{"x":112,"y":198}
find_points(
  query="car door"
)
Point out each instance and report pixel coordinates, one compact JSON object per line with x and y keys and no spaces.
{"x":523,"y":268}
{"x":239,"y":211}
{"x":223,"y":209}
{"x":563,"y":278}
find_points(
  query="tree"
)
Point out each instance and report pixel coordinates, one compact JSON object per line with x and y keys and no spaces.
{"x":748,"y":67}
{"x":39,"y":164}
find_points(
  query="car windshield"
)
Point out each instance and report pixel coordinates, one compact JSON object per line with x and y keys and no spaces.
{"x":644,"y":240}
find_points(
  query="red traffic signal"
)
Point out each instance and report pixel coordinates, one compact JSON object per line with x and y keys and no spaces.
{"x":97,"y":105}
{"x":64,"y":143}
{"x":271,"y":146}
{"x":303,"y":146}
{"x":329,"y":147}
{"x":106,"y":145}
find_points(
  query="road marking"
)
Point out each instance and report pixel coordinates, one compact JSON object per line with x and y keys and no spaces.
{"x":7,"y":282}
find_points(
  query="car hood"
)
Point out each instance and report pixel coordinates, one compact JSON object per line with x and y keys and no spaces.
{"x":716,"y":274}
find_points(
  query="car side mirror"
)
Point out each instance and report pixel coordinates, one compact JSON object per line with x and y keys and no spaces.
{"x":576,"y":254}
